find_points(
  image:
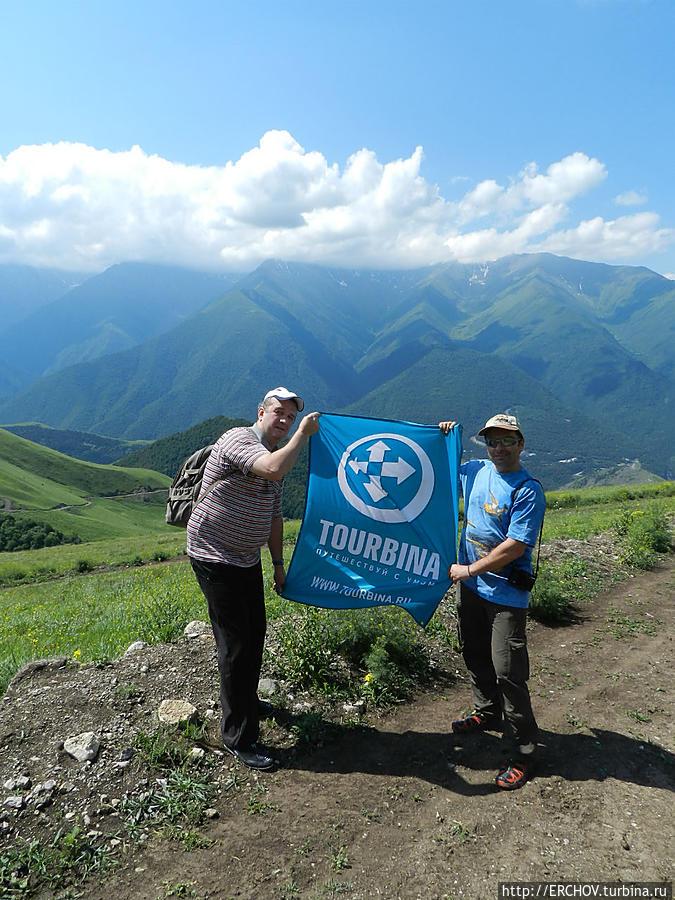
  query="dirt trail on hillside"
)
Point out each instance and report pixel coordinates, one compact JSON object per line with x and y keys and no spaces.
{"x":405,"y":810}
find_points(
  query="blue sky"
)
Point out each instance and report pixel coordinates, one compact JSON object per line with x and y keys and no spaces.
{"x":383,"y":134}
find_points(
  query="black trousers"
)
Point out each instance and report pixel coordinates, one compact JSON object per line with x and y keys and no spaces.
{"x":236,"y":602}
{"x":494,"y":646}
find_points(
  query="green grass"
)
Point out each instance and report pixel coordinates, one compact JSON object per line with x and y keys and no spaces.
{"x":582,"y":521}
{"x":96,"y":617}
{"x":68,"y":859}
{"x":98,"y":614}
{"x":596,"y":496}
{"x":102,"y":519}
{"x":25,"y":566}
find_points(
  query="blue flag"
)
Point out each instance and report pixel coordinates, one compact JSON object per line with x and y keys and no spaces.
{"x":380,"y":523}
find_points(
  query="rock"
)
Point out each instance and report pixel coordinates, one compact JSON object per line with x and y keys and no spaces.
{"x":14,"y":801}
{"x":43,"y":787}
{"x":173,"y":712}
{"x":134,"y":648}
{"x":267,"y":687}
{"x":196,"y":628}
{"x":14,"y":784}
{"x":82,"y":747}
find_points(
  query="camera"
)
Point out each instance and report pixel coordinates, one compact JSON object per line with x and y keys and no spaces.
{"x":521,"y":579}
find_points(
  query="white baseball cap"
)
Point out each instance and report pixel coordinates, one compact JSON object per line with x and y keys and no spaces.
{"x":282,"y":393}
{"x":502,"y":420}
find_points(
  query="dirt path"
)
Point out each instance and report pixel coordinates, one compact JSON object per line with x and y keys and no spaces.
{"x":404,"y":810}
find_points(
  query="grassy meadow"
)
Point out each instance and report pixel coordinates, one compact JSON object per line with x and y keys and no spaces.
{"x":90,"y":601}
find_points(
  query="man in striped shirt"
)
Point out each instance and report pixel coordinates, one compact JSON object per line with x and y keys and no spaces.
{"x":224,"y":536}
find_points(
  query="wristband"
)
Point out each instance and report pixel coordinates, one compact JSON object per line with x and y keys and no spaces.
{"x":277,"y":562}
{"x":468,"y":571}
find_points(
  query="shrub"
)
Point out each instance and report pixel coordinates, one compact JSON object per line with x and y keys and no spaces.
{"x":304,"y":656}
{"x":332,"y":650}
{"x":25,"y":534}
{"x":389,"y":682}
{"x":642,"y":536}
{"x":549,"y":600}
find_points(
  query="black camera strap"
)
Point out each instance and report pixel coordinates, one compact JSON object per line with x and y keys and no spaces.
{"x":541,"y":530}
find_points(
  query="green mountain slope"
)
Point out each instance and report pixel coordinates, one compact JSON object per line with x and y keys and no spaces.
{"x":121,"y":307}
{"x":78,"y":444}
{"x":225,"y":357}
{"x":78,"y":498}
{"x":38,"y":477}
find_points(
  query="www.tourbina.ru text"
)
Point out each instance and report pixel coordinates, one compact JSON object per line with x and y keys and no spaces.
{"x":345,"y":590}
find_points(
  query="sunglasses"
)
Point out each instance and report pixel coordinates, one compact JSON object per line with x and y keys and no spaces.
{"x":503,"y":441}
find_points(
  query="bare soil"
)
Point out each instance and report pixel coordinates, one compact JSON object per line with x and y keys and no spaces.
{"x":388,"y":805}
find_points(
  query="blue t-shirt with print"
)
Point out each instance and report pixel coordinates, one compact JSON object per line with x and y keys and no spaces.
{"x":490,"y":518}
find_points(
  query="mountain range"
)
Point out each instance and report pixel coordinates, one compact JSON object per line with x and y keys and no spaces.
{"x":581,"y":351}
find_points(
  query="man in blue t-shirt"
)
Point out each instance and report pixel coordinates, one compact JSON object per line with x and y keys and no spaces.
{"x":503,"y":514}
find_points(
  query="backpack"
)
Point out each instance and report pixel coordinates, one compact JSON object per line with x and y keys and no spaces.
{"x":185,"y":487}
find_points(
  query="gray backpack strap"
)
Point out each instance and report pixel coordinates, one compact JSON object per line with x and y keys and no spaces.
{"x":211,"y":487}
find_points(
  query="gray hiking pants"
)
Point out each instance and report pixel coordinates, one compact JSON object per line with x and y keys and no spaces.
{"x":494,"y":646}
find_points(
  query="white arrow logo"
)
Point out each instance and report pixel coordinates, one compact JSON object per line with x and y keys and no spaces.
{"x":400,"y":469}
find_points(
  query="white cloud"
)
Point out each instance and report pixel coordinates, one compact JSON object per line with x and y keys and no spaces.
{"x":73,"y":206}
{"x":627,"y":238}
{"x":630,"y":198}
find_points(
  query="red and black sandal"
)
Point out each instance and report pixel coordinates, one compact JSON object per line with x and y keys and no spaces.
{"x":514,"y":774}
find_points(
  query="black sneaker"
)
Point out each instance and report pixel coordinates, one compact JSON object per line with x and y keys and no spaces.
{"x":252,"y":757}
{"x":476,"y":721}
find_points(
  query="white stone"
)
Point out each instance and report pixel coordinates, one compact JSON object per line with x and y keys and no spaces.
{"x":267,"y":687}
{"x":82,"y":747}
{"x":135,"y":647}
{"x":172,"y":712}
{"x":196,"y":629}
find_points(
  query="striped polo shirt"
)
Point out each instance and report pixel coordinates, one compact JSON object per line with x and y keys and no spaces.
{"x":234,"y":521}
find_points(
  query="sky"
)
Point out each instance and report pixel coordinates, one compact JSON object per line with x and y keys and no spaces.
{"x":354,"y":133}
